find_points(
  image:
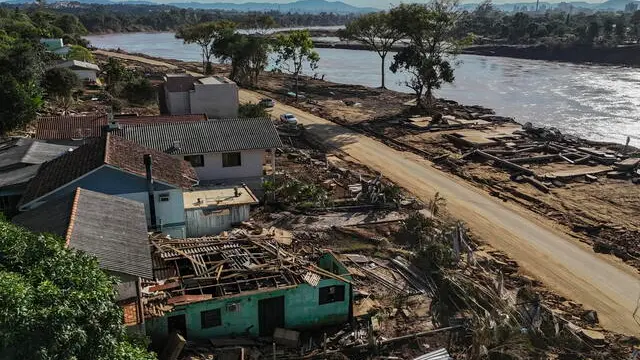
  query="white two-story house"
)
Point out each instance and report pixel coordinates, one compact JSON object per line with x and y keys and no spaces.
{"x":222,"y":151}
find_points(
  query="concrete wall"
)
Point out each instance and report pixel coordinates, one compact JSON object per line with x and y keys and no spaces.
{"x":168,"y":213}
{"x":86,"y":74}
{"x":178,"y":103}
{"x":302,"y":311}
{"x":202,"y":223}
{"x":251,"y":160}
{"x":215,"y":100}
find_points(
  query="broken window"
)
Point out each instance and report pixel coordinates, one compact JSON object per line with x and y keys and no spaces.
{"x":210,"y":318}
{"x":331,"y":294}
{"x":231,"y":159}
{"x":195,"y":160}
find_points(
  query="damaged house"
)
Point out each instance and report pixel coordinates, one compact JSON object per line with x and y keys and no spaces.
{"x":114,"y":166}
{"x":241,"y":285}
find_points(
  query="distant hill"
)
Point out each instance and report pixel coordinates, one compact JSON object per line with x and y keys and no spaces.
{"x":611,"y":5}
{"x":301,"y":6}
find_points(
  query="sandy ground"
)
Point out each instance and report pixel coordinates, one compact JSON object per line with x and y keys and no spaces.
{"x":573,"y":270}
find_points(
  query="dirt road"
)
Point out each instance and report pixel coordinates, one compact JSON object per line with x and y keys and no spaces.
{"x":561,"y":263}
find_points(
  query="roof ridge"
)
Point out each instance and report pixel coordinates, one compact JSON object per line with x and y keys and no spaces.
{"x":72,"y":216}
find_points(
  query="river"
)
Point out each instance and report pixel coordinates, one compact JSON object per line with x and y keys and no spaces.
{"x":591,"y":101}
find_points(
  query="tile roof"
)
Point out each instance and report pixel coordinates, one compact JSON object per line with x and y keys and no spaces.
{"x":25,"y":151}
{"x":108,"y":150}
{"x":212,"y":136}
{"x":159,"y":119}
{"x":70,"y":127}
{"x":76,"y":64}
{"x":112,"y":228}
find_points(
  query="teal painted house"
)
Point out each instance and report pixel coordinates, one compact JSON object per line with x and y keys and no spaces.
{"x":255,"y":293}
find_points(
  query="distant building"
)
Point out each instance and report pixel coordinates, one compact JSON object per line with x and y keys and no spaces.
{"x":224,"y":151}
{"x":114,"y":166}
{"x":56,"y":46}
{"x":215,"y":96}
{"x":20,"y":160}
{"x":85,"y":71}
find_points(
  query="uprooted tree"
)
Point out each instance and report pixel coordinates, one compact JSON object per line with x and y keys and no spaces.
{"x":57,"y":303}
{"x":294,"y":50}
{"x":428,"y":58}
{"x":377,"y":32}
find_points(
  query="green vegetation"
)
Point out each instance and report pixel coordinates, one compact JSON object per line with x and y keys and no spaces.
{"x":252,"y":111}
{"x":376,"y":31}
{"x":490,"y":25}
{"x":60,"y":82}
{"x":130,"y":18}
{"x":294,"y":50}
{"x":205,"y":34}
{"x":80,"y":53}
{"x":123,"y":83}
{"x":57,"y":303}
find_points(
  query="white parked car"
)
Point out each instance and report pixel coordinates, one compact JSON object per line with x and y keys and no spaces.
{"x":289,"y":119}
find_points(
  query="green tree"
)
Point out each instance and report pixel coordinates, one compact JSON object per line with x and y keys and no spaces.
{"x":60,"y":82}
{"x":80,"y":53}
{"x":139,"y":91}
{"x":252,"y":111}
{"x":21,"y":72}
{"x":57,"y":303}
{"x":249,"y":55}
{"x":293,"y":51}
{"x":115,"y":72}
{"x":376,"y":31}
{"x":430,"y":29}
{"x":204,"y":34}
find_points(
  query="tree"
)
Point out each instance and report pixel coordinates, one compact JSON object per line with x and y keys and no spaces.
{"x":60,"y":82}
{"x":139,"y":91}
{"x":204,"y":34}
{"x":376,"y":31}
{"x":252,"y":111}
{"x":21,"y":72}
{"x":80,"y":53}
{"x":114,"y":72}
{"x":249,"y":55}
{"x":293,"y":51}
{"x":57,"y":303}
{"x":427,"y":58}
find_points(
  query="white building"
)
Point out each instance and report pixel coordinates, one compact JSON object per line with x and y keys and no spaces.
{"x":85,"y":71}
{"x":222,"y":151}
{"x":215,"y":96}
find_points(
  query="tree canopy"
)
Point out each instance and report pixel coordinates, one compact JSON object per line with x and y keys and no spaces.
{"x":376,"y":31}
{"x":249,"y":55}
{"x":60,"y":82}
{"x":205,"y":34}
{"x":57,"y":303}
{"x":294,"y":50}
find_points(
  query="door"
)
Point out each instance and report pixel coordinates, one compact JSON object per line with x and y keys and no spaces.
{"x":177,"y":323}
{"x":270,"y":315}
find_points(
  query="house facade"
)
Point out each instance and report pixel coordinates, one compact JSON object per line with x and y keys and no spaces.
{"x":56,"y":46}
{"x":84,"y":70}
{"x":113,"y":166}
{"x":215,"y":96}
{"x":222,"y":151}
{"x":300,"y":300}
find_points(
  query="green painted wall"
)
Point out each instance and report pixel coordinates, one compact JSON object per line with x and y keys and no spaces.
{"x":302,"y":309}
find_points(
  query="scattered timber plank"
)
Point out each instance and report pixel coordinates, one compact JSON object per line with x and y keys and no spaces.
{"x":534,"y":159}
{"x":537,"y":184}
{"x":571,"y":173}
{"x":627,"y":164}
{"x":506,"y":163}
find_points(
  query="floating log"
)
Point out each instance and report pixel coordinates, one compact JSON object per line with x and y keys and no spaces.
{"x":505,"y":163}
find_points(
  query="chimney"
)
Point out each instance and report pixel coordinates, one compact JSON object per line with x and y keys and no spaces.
{"x":152,"y":203}
{"x":176,"y":144}
{"x":236,"y":193}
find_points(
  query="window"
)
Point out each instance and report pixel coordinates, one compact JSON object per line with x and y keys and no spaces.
{"x":210,"y":318}
{"x":164,"y":197}
{"x":195,"y":160}
{"x":231,"y":159}
{"x":331,"y":294}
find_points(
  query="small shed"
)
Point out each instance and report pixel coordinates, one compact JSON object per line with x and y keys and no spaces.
{"x":85,"y":70}
{"x":213,"y":210}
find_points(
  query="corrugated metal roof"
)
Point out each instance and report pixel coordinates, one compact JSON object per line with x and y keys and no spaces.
{"x":440,"y":354}
{"x":25,"y":151}
{"x":213,"y":136}
{"x":112,"y":228}
{"x":158,"y":119}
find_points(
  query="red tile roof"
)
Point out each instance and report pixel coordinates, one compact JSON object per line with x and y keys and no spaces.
{"x":110,"y":150}
{"x":70,"y":127}
{"x":90,"y":126}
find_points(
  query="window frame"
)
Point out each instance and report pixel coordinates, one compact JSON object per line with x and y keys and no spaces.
{"x":325,"y":295}
{"x":204,"y":319}
{"x":226,"y":159}
{"x":189,"y":158}
{"x":164,"y":197}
